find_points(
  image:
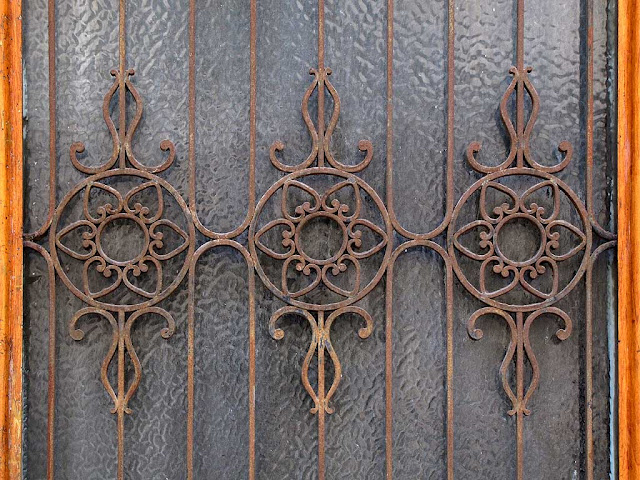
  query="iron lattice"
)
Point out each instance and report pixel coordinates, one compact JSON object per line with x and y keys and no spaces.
{"x":340,"y":202}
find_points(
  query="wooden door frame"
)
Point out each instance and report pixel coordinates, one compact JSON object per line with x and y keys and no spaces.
{"x":11,"y":258}
{"x":11,"y":240}
{"x":628,"y":230}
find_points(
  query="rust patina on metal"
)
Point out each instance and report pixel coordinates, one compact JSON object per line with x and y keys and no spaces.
{"x":489,"y":258}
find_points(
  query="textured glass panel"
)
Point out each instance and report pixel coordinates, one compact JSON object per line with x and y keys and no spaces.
{"x":420,"y":367}
{"x":420,"y":112}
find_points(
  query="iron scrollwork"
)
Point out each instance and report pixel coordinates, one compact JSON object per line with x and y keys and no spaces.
{"x":557,"y":240}
{"x":339,"y":205}
{"x":120,"y":289}
{"x":320,"y":287}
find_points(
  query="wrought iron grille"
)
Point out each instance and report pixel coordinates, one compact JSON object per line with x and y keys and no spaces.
{"x":321,"y":238}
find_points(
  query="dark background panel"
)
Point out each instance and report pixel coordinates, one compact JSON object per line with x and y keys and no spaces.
{"x":420,"y":112}
{"x":419,"y":366}
{"x":221,"y":382}
{"x":356,"y":52}
{"x":222,"y":112}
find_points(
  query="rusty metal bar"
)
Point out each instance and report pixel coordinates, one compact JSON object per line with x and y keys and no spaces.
{"x":252,"y":368}
{"x":321,"y":398}
{"x":122,"y":119}
{"x":389,"y":275}
{"x":252,"y":274}
{"x":122,"y":91}
{"x":51,"y":394}
{"x":450,"y":419}
{"x":51,"y":46}
{"x":603,"y":232}
{"x":321,"y":152}
{"x":121,"y":394}
{"x":448,"y":215}
{"x":588,"y":399}
{"x":520,"y":124}
{"x":39,"y":232}
{"x":451,"y":55}
{"x":321,"y":86}
{"x":51,"y":372}
{"x":589,"y":369}
{"x":389,"y":372}
{"x":520,"y":397}
{"x":192,"y":207}
{"x":190,"y":365}
{"x":53,"y":133}
{"x":594,"y":223}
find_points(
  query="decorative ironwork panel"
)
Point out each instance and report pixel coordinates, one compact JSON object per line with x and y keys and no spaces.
{"x":380,"y":269}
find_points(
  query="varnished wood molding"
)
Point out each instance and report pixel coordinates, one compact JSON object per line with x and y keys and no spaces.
{"x":629,"y":238}
{"x":10,"y":240}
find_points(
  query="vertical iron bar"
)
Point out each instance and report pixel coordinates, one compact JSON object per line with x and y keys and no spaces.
{"x":51,"y":402}
{"x":121,"y":393}
{"x":389,"y":369}
{"x":252,"y":373}
{"x":192,"y":206}
{"x":321,"y":395}
{"x":52,"y":115}
{"x":389,"y":140}
{"x":190,"y":366}
{"x":445,"y":223}
{"x":321,"y":78}
{"x":389,"y":274}
{"x":604,"y":233}
{"x":192,"y":107}
{"x":51,"y":393}
{"x":520,"y":87}
{"x":589,"y":132}
{"x":253,"y":54}
{"x":251,"y":273}
{"x":589,"y":369}
{"x":449,"y":293}
{"x":520,"y":445}
{"x":451,"y":35}
{"x":520,"y":396}
{"x":122,"y":93}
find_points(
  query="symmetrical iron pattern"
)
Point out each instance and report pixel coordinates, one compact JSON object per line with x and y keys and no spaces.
{"x":320,"y":287}
{"x":521,"y":272}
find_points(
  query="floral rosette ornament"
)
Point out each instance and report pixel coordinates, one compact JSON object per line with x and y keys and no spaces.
{"x":337,"y":215}
{"x":493,"y":266}
{"x":153,"y":240}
